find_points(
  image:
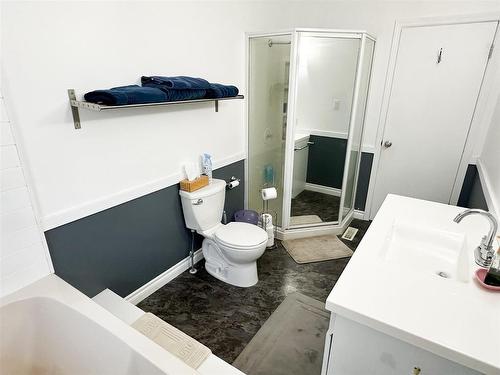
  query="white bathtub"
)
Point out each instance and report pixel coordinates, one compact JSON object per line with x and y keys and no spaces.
{"x":51,"y":328}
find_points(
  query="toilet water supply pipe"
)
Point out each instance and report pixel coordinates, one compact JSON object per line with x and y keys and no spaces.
{"x":193,"y":270}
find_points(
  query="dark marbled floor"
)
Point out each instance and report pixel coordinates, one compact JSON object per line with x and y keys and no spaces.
{"x":313,"y":203}
{"x":224,"y":317}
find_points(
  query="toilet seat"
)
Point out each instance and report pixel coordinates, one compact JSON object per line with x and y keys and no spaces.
{"x":240,"y":236}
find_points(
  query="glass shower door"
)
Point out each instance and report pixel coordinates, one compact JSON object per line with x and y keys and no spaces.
{"x":354,"y":146}
{"x":325,"y":87}
{"x":269,"y":65}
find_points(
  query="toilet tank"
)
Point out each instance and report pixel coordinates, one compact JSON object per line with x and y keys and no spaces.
{"x":203,"y":208}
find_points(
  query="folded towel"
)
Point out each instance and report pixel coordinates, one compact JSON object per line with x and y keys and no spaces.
{"x":178,"y":83}
{"x":176,"y":95}
{"x":217,"y":90}
{"x":172,"y":340}
{"x":132,"y":94}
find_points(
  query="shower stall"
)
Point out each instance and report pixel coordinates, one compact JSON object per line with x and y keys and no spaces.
{"x":307,"y":91}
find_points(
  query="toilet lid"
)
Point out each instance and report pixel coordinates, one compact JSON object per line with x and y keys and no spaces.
{"x":241,"y":235}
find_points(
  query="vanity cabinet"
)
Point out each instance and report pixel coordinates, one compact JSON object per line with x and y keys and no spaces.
{"x":355,"y":349}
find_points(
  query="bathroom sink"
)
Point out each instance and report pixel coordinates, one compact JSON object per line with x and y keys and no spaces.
{"x":392,"y":284}
{"x":426,"y":250}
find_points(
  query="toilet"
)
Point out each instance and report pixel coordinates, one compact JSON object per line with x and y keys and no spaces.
{"x":230,"y":250}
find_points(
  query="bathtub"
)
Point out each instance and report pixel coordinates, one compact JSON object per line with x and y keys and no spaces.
{"x":51,"y":328}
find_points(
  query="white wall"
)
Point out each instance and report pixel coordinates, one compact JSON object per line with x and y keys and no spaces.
{"x":23,"y":252}
{"x":489,"y":163}
{"x":49,"y":47}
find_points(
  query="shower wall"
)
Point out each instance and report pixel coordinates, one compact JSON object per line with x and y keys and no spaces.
{"x":267,"y":100}
{"x":323,"y":123}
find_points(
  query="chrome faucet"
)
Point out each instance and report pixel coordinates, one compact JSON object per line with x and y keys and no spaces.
{"x":484,"y":252}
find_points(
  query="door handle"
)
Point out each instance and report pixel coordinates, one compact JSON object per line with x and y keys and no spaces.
{"x":387,"y":144}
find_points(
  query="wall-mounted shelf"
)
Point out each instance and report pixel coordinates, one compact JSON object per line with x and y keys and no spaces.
{"x":77,"y":104}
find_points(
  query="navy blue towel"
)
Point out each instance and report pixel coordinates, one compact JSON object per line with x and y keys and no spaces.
{"x":176,"y":95}
{"x":177,"y":83}
{"x":132,"y":94}
{"x":217,"y":90}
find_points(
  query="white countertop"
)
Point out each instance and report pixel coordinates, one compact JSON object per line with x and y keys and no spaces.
{"x":455,"y":319}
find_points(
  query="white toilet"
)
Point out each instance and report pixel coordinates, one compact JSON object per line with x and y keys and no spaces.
{"x":231,"y":251}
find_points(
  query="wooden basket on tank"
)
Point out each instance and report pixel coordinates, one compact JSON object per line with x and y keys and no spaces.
{"x":196,"y":184}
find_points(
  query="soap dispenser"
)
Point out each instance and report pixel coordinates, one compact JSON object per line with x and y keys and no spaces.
{"x":493,"y":275}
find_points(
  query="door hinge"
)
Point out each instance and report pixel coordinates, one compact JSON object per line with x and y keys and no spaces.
{"x":490,"y":53}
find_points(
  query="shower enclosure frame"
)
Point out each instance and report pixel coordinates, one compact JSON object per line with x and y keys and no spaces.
{"x":286,"y":231}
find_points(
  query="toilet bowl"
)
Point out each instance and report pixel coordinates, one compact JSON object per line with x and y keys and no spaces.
{"x":230,"y":251}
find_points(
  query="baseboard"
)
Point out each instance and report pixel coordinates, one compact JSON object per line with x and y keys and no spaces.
{"x":161,"y":280}
{"x":323,"y":189}
{"x":488,"y":191}
{"x":312,"y":231}
{"x":359,"y":215}
{"x":325,"y":133}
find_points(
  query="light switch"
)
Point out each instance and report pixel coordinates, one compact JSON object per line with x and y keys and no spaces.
{"x":336,"y":104}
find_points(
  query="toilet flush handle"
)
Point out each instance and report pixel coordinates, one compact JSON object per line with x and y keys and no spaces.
{"x":198,"y":202}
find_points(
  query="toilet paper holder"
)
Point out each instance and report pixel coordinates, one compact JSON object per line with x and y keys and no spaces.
{"x":233,"y":182}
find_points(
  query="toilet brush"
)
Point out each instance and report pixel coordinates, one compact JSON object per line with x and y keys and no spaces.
{"x":192,"y":270}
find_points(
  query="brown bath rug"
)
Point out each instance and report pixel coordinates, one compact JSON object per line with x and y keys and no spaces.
{"x":316,"y":249}
{"x":291,"y":341}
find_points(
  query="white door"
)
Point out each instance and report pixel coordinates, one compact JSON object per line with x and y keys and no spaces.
{"x":436,"y":83}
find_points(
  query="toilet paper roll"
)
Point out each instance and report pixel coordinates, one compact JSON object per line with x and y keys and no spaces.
{"x":269,"y":193}
{"x":233,"y":184}
{"x":267,"y":219}
{"x":270,"y":236}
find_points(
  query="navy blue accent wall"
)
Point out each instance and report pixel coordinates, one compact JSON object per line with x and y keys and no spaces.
{"x":326,"y":159}
{"x":126,"y":246}
{"x":365,"y":169}
{"x":472,"y":195}
{"x":325,"y":166}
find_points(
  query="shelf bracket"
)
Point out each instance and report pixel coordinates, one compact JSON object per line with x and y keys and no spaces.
{"x":216,"y":106}
{"x":74,"y":109}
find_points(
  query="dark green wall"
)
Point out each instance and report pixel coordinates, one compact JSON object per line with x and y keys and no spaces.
{"x":126,"y":246}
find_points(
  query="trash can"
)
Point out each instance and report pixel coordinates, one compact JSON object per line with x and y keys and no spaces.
{"x":247,"y":216}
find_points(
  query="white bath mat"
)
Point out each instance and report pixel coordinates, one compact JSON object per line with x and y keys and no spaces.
{"x":172,"y":340}
{"x":305,"y":219}
{"x":316,"y":249}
